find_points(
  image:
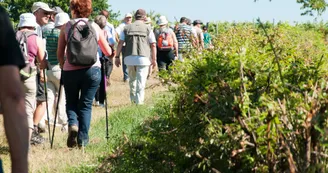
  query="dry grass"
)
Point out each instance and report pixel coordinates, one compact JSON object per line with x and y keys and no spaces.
{"x":43,"y":159}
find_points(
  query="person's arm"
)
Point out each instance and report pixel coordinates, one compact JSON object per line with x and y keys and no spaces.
{"x":175,"y":44}
{"x":152,"y":42}
{"x":119,"y":49}
{"x":41,"y":53}
{"x":61,"y":47}
{"x":12,"y":100}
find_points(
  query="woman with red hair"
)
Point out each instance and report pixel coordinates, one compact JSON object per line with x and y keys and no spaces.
{"x":80,"y":81}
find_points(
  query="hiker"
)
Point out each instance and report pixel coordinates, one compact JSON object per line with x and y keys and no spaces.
{"x":81,"y":70}
{"x":139,"y":40}
{"x":106,"y":61}
{"x":51,"y":23}
{"x":54,"y":72}
{"x":12,"y":97}
{"x":109,"y":28}
{"x":167,"y":44}
{"x":199,"y":34}
{"x":148,"y":22}
{"x":127,"y":20}
{"x":207,"y":39}
{"x":184,"y":36}
{"x":111,"y":39}
{"x":42,"y":13}
{"x":34,"y":50}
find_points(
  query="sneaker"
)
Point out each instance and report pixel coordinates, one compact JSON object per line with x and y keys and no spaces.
{"x":36,"y":138}
{"x":72,"y":135}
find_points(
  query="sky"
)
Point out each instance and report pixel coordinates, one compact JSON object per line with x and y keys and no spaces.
{"x":220,"y":10}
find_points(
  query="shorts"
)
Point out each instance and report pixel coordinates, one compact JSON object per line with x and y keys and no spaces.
{"x":40,"y":94}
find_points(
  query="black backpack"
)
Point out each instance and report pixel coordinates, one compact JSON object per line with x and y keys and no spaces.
{"x":82,"y":44}
{"x":21,"y":37}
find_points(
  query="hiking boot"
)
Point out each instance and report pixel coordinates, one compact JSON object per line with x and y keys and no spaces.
{"x":72,"y":135}
{"x":36,"y":138}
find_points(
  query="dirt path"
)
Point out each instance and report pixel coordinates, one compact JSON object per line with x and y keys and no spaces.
{"x":43,"y":159}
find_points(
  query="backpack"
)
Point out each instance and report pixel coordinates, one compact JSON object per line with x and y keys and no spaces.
{"x":21,"y":37}
{"x":82,"y":44}
{"x":165,"y":40}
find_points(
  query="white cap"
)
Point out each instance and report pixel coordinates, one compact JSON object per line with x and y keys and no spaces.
{"x":148,"y":20}
{"x":162,"y":21}
{"x":128,"y":15}
{"x":27,"y":20}
{"x":61,"y":19}
{"x":42,"y":5}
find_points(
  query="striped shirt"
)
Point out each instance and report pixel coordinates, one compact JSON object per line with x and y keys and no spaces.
{"x":52,"y":42}
{"x":184,"y":34}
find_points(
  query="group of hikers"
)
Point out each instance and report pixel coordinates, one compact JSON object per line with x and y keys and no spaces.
{"x":65,"y":62}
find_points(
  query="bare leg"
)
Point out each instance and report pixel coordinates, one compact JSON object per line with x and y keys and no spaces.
{"x":39,"y":112}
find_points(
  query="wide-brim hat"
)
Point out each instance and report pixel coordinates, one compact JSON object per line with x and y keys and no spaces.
{"x":27,"y":20}
{"x":61,"y":19}
{"x":162,"y":21}
{"x":41,"y":5}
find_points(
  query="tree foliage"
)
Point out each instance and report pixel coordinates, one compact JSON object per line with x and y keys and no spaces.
{"x":17,"y":7}
{"x":310,"y":6}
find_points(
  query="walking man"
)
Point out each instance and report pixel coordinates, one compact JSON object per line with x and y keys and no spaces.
{"x":140,"y":41}
{"x":127,"y":20}
{"x":42,"y":13}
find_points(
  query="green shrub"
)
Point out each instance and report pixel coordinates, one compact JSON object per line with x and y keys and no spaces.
{"x":255,"y":103}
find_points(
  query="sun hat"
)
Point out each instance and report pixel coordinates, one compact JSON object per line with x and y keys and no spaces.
{"x":57,"y":10}
{"x":61,"y":19}
{"x":162,"y":21}
{"x":128,"y":15}
{"x":27,"y":20}
{"x":42,"y":5}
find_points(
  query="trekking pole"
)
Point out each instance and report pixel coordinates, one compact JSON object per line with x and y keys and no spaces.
{"x":46,"y":94}
{"x":106,"y":104}
{"x":57,"y":106}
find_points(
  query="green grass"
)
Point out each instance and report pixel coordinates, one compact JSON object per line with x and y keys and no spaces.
{"x":123,"y":123}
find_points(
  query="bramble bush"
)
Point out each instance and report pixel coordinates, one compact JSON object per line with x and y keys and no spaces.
{"x":256,"y":103}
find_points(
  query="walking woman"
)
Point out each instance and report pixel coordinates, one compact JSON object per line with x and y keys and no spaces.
{"x":80,"y":81}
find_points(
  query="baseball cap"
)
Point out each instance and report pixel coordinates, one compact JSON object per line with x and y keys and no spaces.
{"x":128,"y":15}
{"x":61,"y":19}
{"x":42,"y":5}
{"x":27,"y":20}
{"x":57,"y":10}
{"x":140,"y":13}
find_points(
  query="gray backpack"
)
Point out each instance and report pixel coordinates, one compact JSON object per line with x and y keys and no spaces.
{"x":82,"y":44}
{"x":21,"y":37}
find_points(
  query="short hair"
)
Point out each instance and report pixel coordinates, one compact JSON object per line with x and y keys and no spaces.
{"x":105,"y":13}
{"x":82,"y":8}
{"x":183,"y":19}
{"x":101,"y":21}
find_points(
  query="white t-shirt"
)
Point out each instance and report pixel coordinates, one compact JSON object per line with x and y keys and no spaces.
{"x":138,"y":60}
